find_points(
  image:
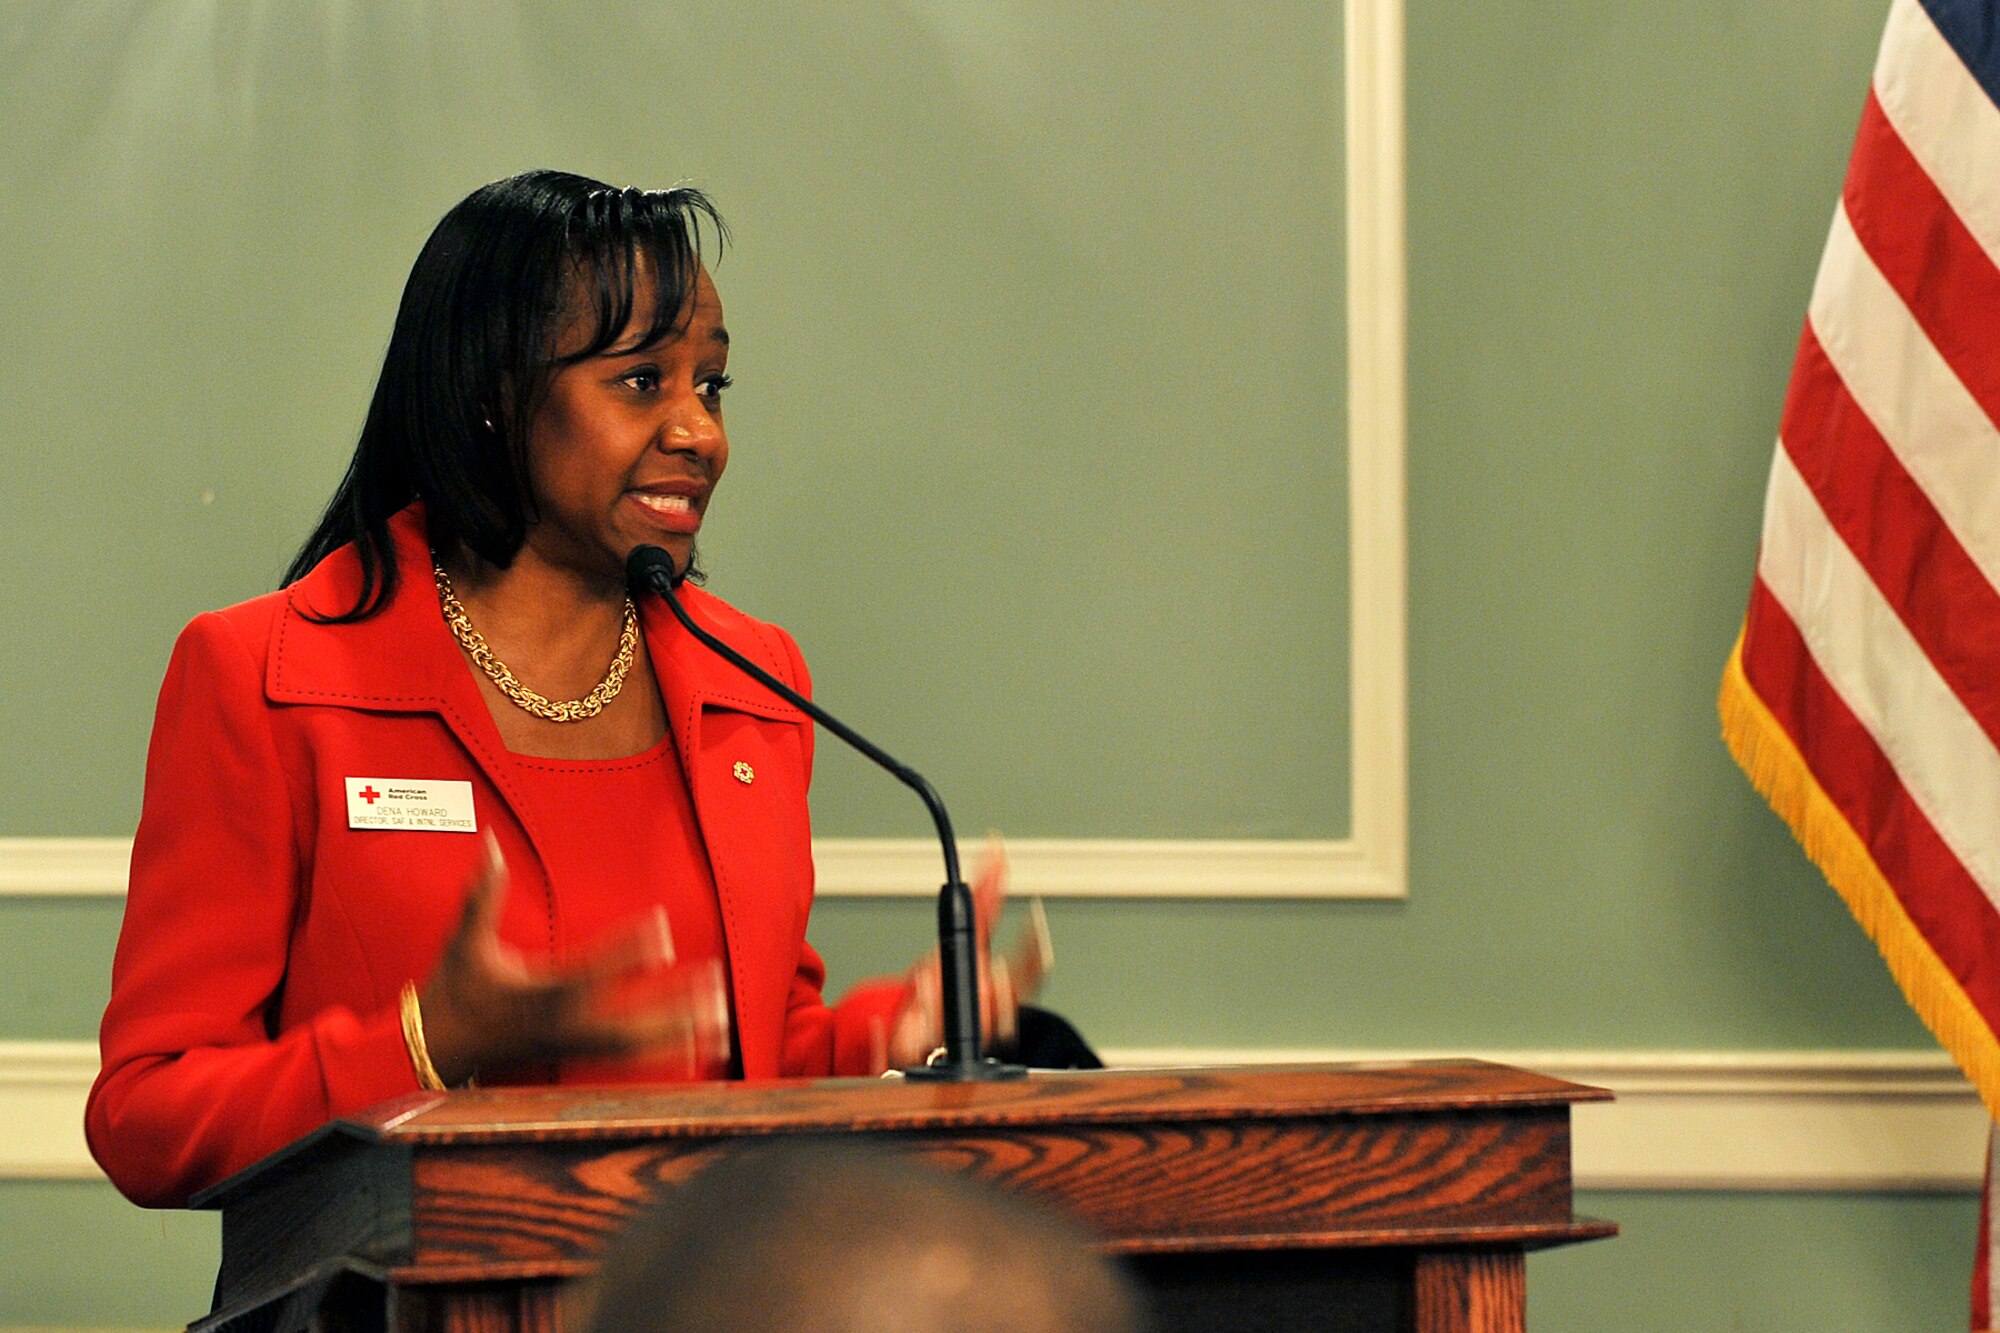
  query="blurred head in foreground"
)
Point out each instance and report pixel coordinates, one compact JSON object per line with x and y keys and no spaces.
{"x":822,"y":1238}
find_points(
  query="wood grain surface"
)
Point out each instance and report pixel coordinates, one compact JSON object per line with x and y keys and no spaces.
{"x":471,"y":1203}
{"x":868,"y":1105}
{"x":490,"y":1307}
{"x":1471,"y":1292}
{"x":1384,"y":1180}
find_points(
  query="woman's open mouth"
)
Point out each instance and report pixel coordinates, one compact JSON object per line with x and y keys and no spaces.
{"x":671,"y":513}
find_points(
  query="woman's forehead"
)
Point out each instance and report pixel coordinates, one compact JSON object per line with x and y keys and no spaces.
{"x":590,"y":300}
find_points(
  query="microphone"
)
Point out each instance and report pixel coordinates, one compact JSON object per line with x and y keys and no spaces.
{"x":650,"y":569}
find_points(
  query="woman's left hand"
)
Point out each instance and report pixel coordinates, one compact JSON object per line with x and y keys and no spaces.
{"x":1005,"y":983}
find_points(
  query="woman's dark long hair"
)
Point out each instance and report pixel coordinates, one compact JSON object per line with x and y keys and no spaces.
{"x":497,"y":284}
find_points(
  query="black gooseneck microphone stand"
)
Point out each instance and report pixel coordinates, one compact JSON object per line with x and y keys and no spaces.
{"x":650,"y":569}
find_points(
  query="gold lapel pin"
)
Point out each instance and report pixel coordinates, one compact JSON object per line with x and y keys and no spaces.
{"x":744,"y":773}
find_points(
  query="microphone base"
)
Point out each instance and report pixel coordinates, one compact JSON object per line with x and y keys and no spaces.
{"x":984,"y":1070}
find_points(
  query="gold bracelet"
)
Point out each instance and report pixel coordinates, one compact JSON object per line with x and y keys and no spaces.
{"x":413,"y":1040}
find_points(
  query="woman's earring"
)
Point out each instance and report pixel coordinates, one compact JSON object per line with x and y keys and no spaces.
{"x":488,"y":423}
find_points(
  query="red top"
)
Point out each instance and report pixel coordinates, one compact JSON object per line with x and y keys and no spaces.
{"x":268,"y":932}
{"x":623,"y":840}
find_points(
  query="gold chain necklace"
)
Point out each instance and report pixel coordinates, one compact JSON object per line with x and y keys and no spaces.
{"x":568,"y":710}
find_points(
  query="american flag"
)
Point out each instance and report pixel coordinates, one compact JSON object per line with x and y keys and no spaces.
{"x":1863,"y":698}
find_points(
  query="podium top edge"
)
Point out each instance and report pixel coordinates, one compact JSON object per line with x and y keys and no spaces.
{"x":803,"y":1106}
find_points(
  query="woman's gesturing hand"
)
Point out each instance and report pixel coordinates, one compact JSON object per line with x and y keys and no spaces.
{"x":1006,"y":982}
{"x":486,"y":1009}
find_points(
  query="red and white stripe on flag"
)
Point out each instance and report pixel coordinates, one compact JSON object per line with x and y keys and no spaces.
{"x":1863,"y":698}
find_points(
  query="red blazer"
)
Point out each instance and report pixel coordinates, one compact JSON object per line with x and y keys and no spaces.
{"x":254,"y":991}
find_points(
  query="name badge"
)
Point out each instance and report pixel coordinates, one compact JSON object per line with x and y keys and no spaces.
{"x":407,"y":803}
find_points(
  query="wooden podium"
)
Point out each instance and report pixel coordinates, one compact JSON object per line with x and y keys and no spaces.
{"x":1345,"y":1197}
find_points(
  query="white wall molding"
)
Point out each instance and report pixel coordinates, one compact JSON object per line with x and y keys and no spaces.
{"x":1732,"y":1120}
{"x":42,"y":1087}
{"x":1693,"y":1120}
{"x":1372,"y":861}
{"x":897,"y":867}
{"x":64,"y":867}
{"x":1375,"y":856}
{"x":1113,"y":868}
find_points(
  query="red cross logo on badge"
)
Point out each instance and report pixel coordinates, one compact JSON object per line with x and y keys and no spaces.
{"x":369,"y":794}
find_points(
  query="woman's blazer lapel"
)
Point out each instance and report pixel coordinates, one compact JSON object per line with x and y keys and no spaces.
{"x":748,"y":759}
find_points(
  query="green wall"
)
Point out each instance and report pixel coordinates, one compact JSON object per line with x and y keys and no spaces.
{"x":1037,"y":448}
{"x":1037,"y":321}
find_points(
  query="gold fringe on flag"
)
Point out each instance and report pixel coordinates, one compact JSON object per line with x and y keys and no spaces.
{"x":1775,"y":767}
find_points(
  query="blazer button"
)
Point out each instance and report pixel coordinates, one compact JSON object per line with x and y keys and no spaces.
{"x":744,"y":773}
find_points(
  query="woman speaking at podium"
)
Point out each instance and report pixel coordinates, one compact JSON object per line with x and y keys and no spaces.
{"x":450,"y":805}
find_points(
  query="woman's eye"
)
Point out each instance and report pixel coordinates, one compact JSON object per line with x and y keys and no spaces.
{"x":712,"y":387}
{"x":644,"y":378}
